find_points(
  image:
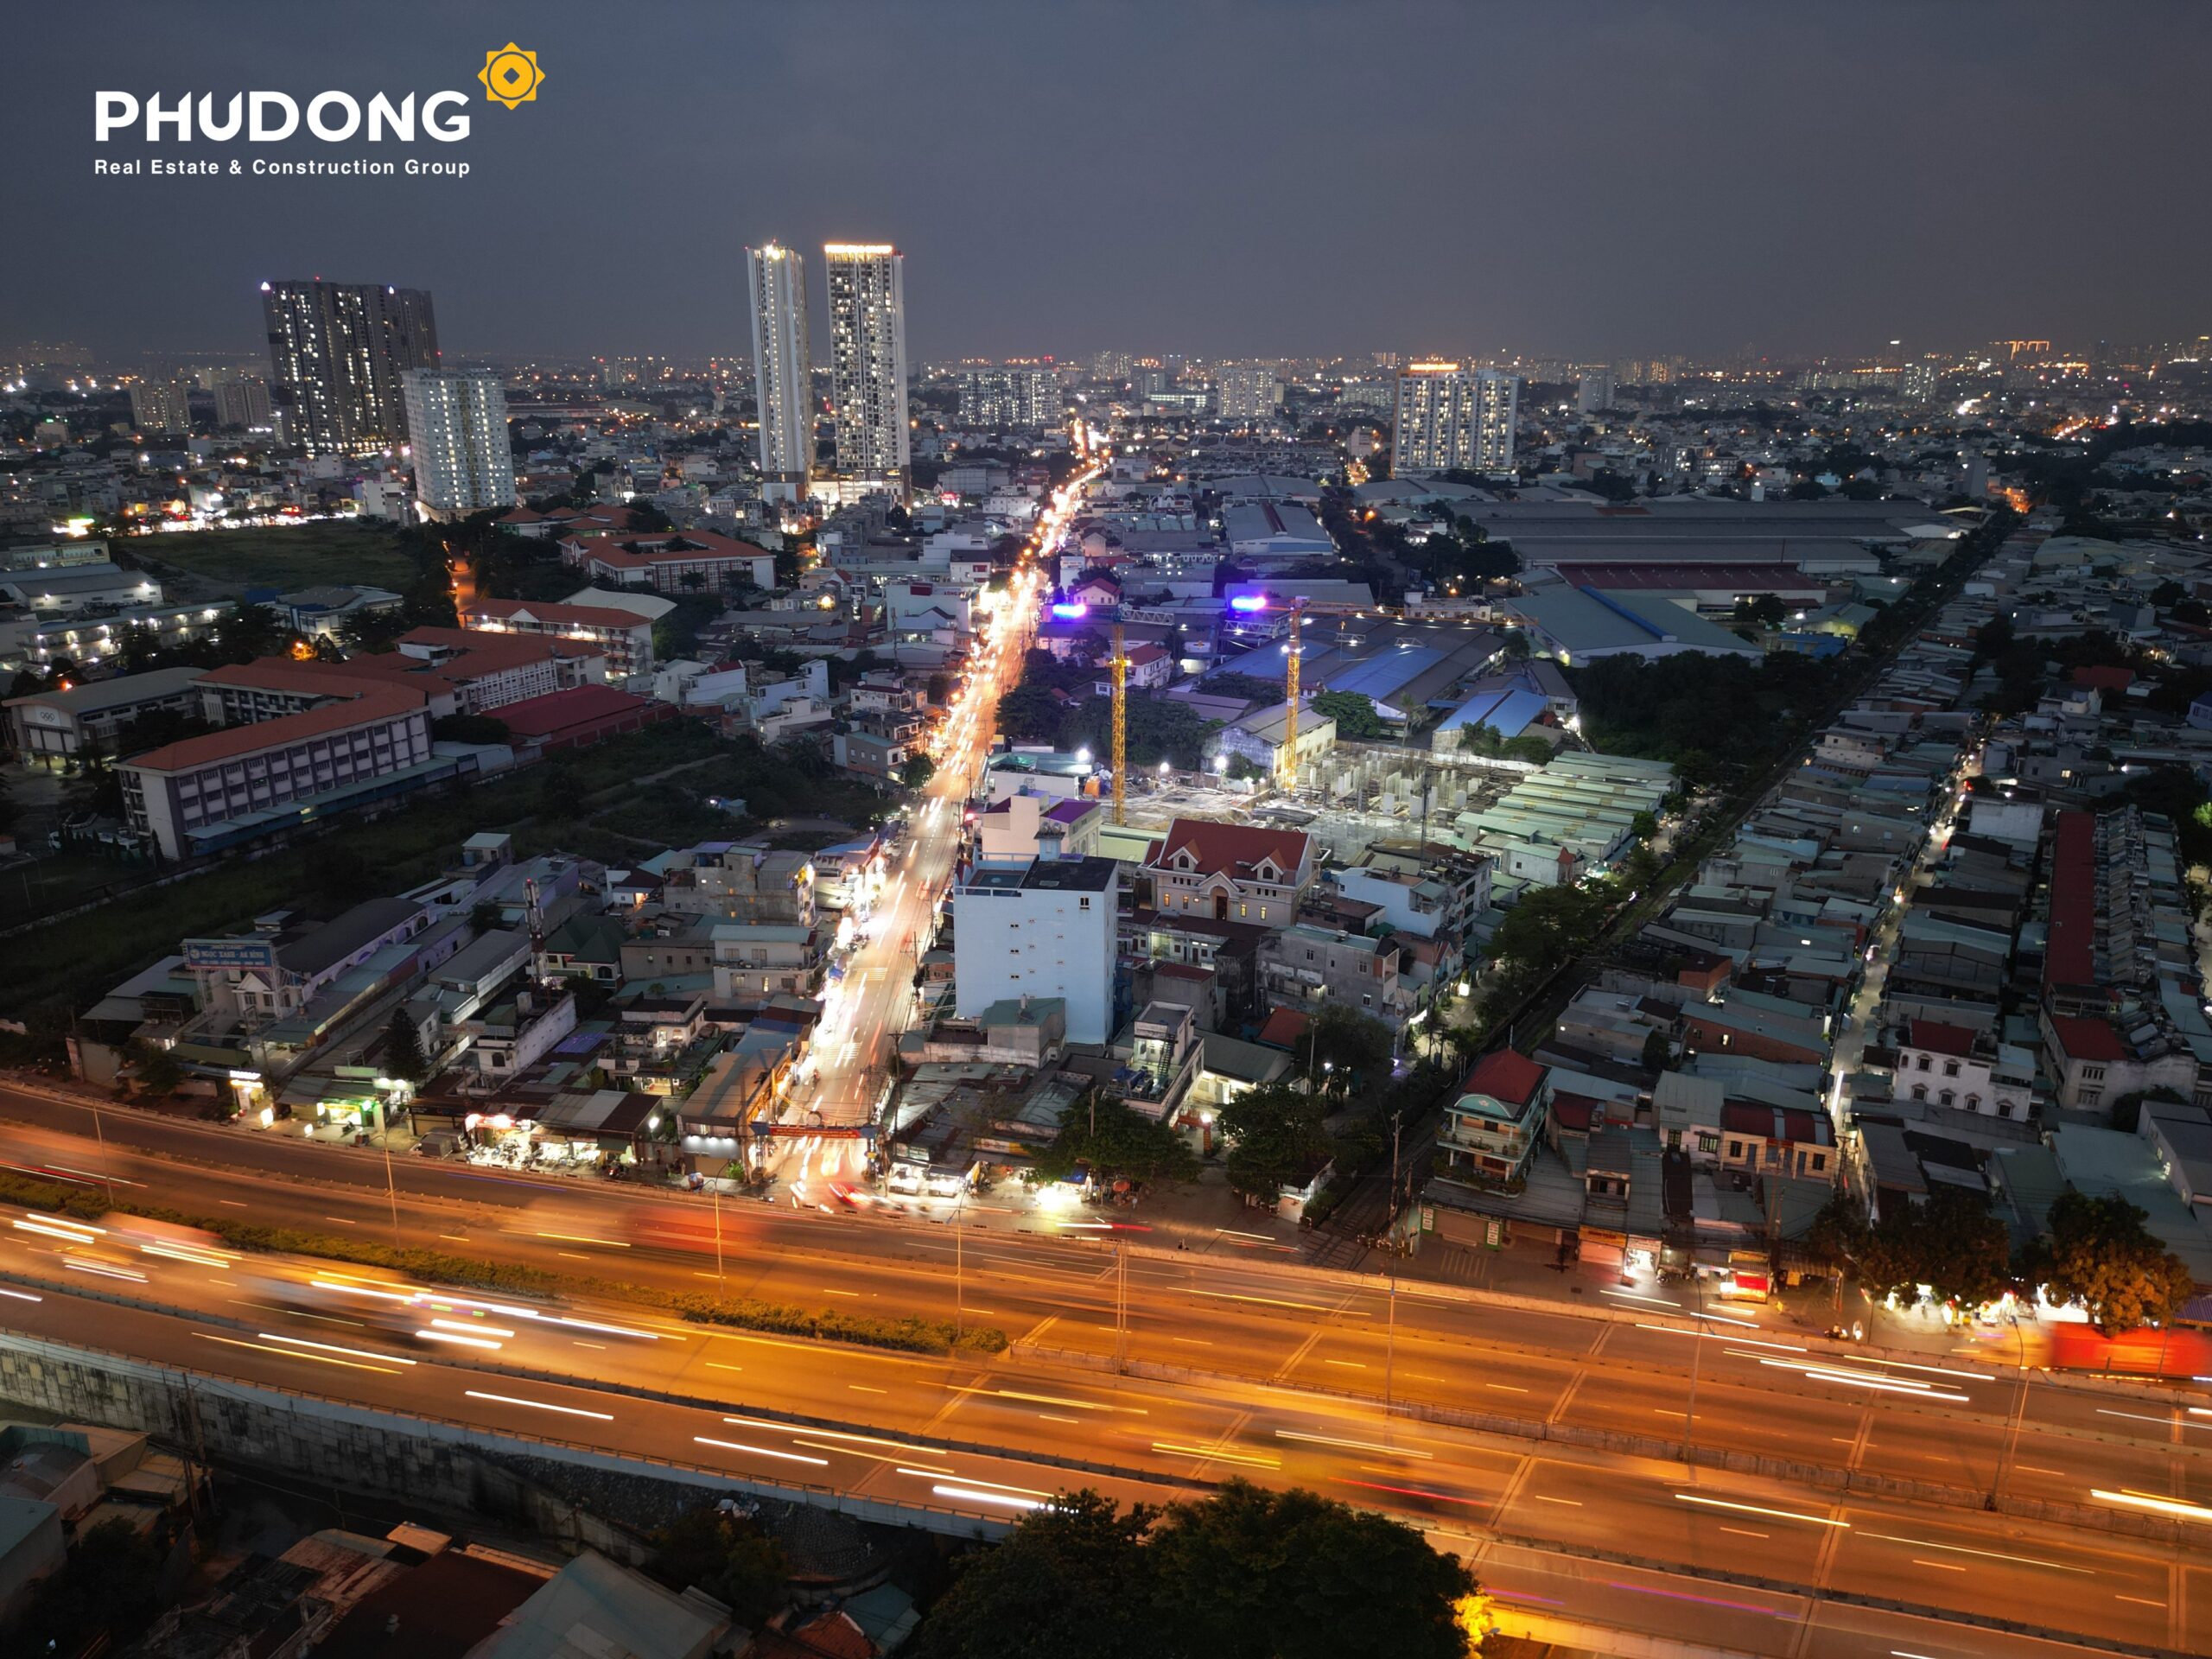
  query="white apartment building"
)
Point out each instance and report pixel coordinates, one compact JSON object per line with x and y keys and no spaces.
{"x":782,"y":371}
{"x":1595,"y":390}
{"x":161,"y":406}
{"x":1243,"y":393}
{"x":457,"y":430}
{"x":625,"y":637}
{"x":1966,"y":1070}
{"x":1045,"y":929}
{"x":189,"y":797}
{"x":868,"y":358}
{"x":1011,"y":398}
{"x":1450,"y":416}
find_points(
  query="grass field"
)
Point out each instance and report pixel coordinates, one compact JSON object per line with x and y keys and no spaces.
{"x":286,"y":557}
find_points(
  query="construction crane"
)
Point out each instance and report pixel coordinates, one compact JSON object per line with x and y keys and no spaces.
{"x":1118,"y":615}
{"x":1288,"y":770}
{"x":1121,"y":719}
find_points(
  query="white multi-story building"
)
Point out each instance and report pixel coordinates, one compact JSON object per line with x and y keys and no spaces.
{"x":1011,"y":398}
{"x":868,"y":358}
{"x":1043,"y":929}
{"x":457,"y":426}
{"x":1242,"y":393}
{"x":1596,"y":390}
{"x":161,"y":406}
{"x":1449,"y":416}
{"x":206,"y":793}
{"x":782,"y":370}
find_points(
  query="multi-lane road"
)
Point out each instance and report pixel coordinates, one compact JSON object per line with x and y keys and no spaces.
{"x":1277,"y":1374}
{"x":866,"y":1010}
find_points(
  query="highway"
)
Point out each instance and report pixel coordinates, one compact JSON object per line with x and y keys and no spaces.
{"x":1761,"y":1385}
{"x":976,"y":1436}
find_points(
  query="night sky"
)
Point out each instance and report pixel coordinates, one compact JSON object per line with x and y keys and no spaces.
{"x":1220,"y":179}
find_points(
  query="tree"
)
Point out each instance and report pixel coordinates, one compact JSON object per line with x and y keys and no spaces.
{"x":1071,"y":1579}
{"x":403,"y":1049}
{"x":1249,"y":1573}
{"x":2101,"y":1254}
{"x":1345,"y":1043}
{"x":1658,"y":1052}
{"x":1244,"y":1574}
{"x":1114,"y":1140}
{"x":1644,"y":825}
{"x":727,"y":1557}
{"x":483,"y":916}
{"x":1276,"y":1139}
{"x":1354,"y":714}
{"x":1949,"y":1241}
{"x":156,"y":1068}
{"x":1759,"y":611}
{"x":918,"y":771}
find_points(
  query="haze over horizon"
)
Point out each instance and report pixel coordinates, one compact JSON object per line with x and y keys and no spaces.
{"x":1222,"y":180}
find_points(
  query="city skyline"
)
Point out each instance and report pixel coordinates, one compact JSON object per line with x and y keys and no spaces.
{"x":1694,"y":181}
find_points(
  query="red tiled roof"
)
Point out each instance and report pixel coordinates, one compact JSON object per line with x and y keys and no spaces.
{"x":1578,"y":1111}
{"x":1506,"y":1075}
{"x":1232,"y":849}
{"x":2104,"y":678}
{"x":1935,"y":1036}
{"x":558,"y":710}
{"x":371,"y":704}
{"x":2084,"y":1039}
{"x":2070,"y":956}
{"x":1283,"y":1029}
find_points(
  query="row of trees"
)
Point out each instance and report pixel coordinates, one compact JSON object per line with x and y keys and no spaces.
{"x":2098,"y":1252}
{"x":1244,"y":1574}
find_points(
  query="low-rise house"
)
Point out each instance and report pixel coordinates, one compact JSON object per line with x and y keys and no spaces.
{"x":1230,"y":872}
{"x":1492,"y":1130}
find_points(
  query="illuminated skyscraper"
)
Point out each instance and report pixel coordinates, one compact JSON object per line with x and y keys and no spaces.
{"x":782,"y":370}
{"x":337,"y":350}
{"x":457,"y":423}
{"x":1449,"y":416}
{"x":868,"y":358}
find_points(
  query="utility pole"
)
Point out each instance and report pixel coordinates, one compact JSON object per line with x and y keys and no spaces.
{"x":100,"y":1135}
{"x":959,"y":1268}
{"x":1697,"y":1354}
{"x":1390,"y":1340}
{"x":721,"y":1284}
{"x":1120,"y":1305}
{"x":2019,"y":1411}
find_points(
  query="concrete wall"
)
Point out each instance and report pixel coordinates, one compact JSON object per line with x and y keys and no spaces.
{"x":436,"y":1464}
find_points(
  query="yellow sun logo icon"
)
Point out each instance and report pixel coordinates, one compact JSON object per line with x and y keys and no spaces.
{"x":511,"y":76}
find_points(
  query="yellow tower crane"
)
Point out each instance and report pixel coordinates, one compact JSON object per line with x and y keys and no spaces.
{"x":1287,"y":772}
{"x":1121,"y":719}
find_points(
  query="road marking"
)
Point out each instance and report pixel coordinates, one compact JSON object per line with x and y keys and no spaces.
{"x":458,"y":1238}
{"x":1504,"y":1388}
{"x":1570,"y":1503}
{"x":1346,"y":1364}
{"x":1990,"y":1554}
{"x":1191,"y":1342}
{"x":287,"y":1353}
{"x":581,"y":1343}
{"x":1357,"y":1446}
{"x":1205,"y":1456}
{"x":862,"y":1388}
{"x":342,"y":1220}
{"x":538,"y":1405}
{"x":235,"y":1202}
{"x":760,"y":1451}
{"x":1745,"y":1532}
{"x":570,"y":1255}
{"x":715,"y":1364}
{"x":1754,"y":1509}
{"x":1054,"y":1417}
{"x":2143,"y":1600}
